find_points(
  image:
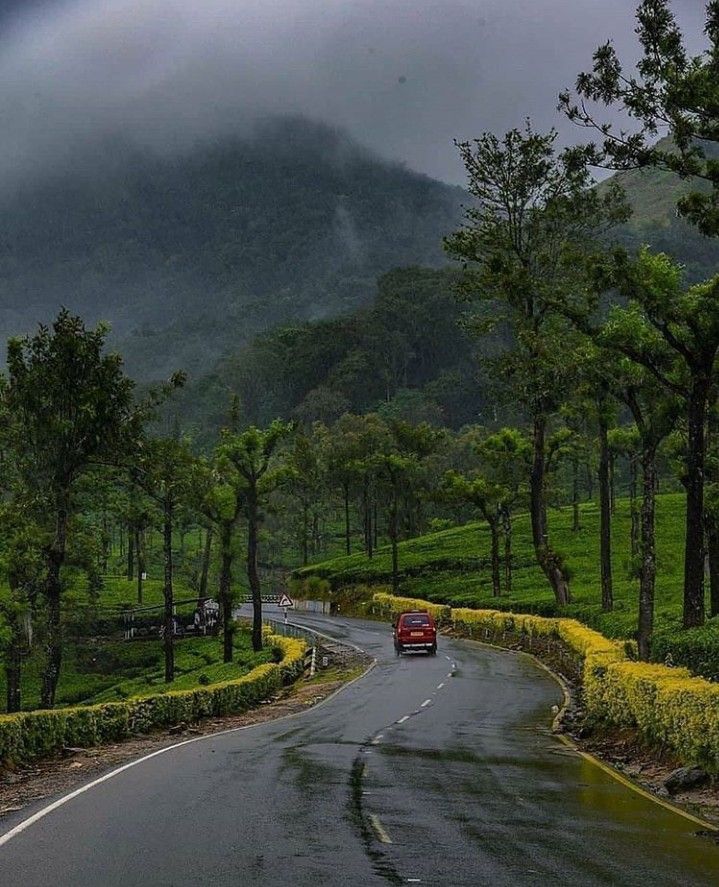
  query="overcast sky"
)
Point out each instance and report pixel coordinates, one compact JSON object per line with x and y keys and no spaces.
{"x":405,"y":77}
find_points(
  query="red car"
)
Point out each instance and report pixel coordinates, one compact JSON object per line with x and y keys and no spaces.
{"x":415,"y":631}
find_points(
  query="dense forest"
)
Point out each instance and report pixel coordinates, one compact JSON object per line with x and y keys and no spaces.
{"x":189,"y":256}
{"x":407,"y":355}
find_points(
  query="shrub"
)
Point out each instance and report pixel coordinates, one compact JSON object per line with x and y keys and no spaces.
{"x":695,"y":648}
{"x":666,"y":706}
{"x":28,"y":736}
{"x":388,"y":606}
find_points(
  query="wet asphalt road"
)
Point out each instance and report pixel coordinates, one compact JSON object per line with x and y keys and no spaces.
{"x":417,"y":773}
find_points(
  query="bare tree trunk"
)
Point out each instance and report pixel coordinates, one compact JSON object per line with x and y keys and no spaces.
{"x":547,"y":559}
{"x":13,"y":663}
{"x":206,"y":555}
{"x":130,"y":553}
{"x":369,"y":538}
{"x":316,"y":538}
{"x":305,"y":534}
{"x":106,"y":540}
{"x":169,"y":616}
{"x":494,"y":535}
{"x":252,"y":574}
{"x":694,"y":540}
{"x":53,"y":592}
{"x":713,"y":552}
{"x":575,"y":496}
{"x":507,"y":530}
{"x":711,"y":519}
{"x":648,"y":567}
{"x":633,"y":509}
{"x":393,"y":531}
{"x":612,"y":484}
{"x":225,"y":591}
{"x":367,"y":519}
{"x":346,"y":494}
{"x":590,"y":482}
{"x":140,"y":548}
{"x":605,"y":513}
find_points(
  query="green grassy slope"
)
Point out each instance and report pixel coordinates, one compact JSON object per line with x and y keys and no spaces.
{"x":452,"y":567}
{"x":111,"y":670}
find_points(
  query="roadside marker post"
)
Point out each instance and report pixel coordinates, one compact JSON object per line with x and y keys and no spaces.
{"x":286,"y":603}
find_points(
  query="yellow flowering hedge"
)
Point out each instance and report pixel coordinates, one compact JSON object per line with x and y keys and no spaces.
{"x":27,"y":736}
{"x":388,"y":606}
{"x":666,"y":706}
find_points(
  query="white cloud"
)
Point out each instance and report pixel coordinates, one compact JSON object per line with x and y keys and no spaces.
{"x":404,"y":77}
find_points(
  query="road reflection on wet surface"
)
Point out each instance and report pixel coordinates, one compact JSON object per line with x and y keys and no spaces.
{"x":434,"y":770}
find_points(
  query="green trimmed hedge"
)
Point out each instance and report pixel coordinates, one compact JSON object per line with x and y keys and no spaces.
{"x":27,"y":736}
{"x":668,"y":707}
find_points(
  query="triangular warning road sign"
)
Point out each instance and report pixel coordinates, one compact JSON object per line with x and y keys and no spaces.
{"x":286,"y":601}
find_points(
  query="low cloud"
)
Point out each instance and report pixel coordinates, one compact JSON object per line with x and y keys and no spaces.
{"x":404,"y":78}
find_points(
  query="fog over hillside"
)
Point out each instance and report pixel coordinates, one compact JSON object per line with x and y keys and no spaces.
{"x":158,"y":166}
{"x":405,"y":78}
{"x":189,"y":256}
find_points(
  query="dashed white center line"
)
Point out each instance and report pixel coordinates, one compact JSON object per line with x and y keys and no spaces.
{"x":380,"y":830}
{"x":426,"y":703}
{"x":439,"y":686}
{"x":402,"y":720}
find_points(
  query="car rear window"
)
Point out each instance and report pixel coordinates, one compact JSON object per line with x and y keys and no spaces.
{"x":419,"y":619}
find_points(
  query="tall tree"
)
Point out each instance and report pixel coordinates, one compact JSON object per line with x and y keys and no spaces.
{"x":674,"y":333}
{"x":21,"y":569}
{"x":307,"y":478}
{"x":535,"y":215}
{"x":506,"y":457}
{"x":252,"y":459}
{"x":655,"y":414}
{"x":486,"y":497}
{"x":624,"y":441}
{"x":222,"y":504}
{"x":166,"y":470}
{"x":70,"y":406}
{"x":401,"y":469}
{"x":670,"y":92}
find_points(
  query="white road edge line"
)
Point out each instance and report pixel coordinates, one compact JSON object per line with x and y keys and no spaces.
{"x":31,"y":820}
{"x":402,"y":720}
{"x":439,"y":686}
{"x":379,"y":829}
{"x":426,"y":703}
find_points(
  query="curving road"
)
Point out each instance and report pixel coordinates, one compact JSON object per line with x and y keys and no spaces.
{"x":417,"y":773}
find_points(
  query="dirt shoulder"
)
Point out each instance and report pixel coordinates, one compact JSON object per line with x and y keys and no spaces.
{"x":27,"y":785}
{"x":646,"y":767}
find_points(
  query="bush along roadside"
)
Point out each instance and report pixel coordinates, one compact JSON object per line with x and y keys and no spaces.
{"x":28,"y":736}
{"x":666,"y":707}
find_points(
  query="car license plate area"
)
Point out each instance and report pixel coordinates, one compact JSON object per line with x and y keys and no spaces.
{"x":416,"y":634}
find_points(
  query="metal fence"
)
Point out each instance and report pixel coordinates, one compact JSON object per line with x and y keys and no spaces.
{"x":324,"y":650}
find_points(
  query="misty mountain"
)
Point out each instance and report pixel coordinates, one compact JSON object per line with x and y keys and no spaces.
{"x":405,"y":355}
{"x":188,"y":257}
{"x":653,"y":195}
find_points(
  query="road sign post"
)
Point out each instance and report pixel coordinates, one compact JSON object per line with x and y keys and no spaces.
{"x":286,"y":603}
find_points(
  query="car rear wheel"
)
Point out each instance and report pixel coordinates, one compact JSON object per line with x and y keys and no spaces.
{"x":433,"y":650}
